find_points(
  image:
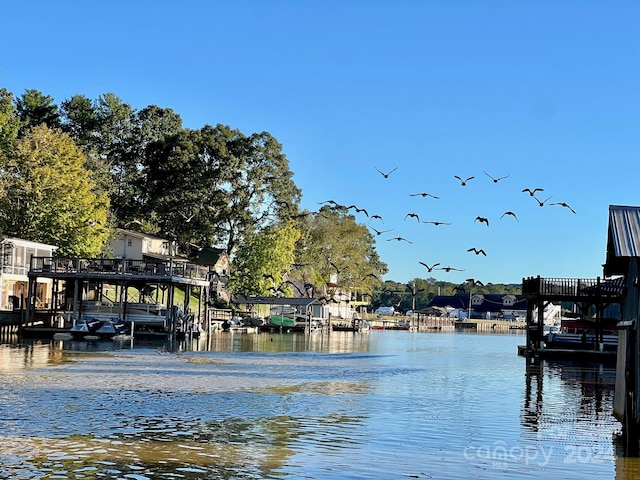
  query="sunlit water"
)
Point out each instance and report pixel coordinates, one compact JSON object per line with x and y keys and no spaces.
{"x":379,"y":404}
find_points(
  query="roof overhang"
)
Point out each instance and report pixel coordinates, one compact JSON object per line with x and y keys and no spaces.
{"x":623,"y":239}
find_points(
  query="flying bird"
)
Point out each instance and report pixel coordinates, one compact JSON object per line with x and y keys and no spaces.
{"x":422,"y":194}
{"x":495,"y":180}
{"x":414,"y":215}
{"x":372,"y":275}
{"x":482,"y":219}
{"x":541,"y":202}
{"x":437,"y":223}
{"x":429,"y":268}
{"x":386,"y":175}
{"x":562,"y":204}
{"x":334,"y":266}
{"x":473,"y":281}
{"x":477,"y":251}
{"x":304,"y":214}
{"x":267,"y":275}
{"x":380,"y":232}
{"x":398,"y":239}
{"x":187,"y":219}
{"x":376,"y":216}
{"x":464,"y":182}
{"x":448,"y":269}
{"x":358,"y":210}
{"x":281,"y":203}
{"x":510,"y":213}
{"x":296,"y":287}
{"x":533,"y":192}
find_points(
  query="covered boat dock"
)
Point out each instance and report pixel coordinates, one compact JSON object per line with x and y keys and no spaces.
{"x":590,"y":296}
{"x":79,"y":283}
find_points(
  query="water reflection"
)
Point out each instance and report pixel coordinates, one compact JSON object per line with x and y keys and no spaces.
{"x":568,"y":406}
{"x":419,"y":405}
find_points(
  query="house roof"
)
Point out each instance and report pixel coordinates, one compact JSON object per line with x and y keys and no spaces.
{"x":29,"y":243}
{"x":164,"y":258}
{"x":623,"y":238}
{"x":455,"y":301}
{"x":133,"y":233}
{"x":210,"y":255}
{"x":491,"y":302}
{"x":242,"y":300}
{"x":495,"y":303}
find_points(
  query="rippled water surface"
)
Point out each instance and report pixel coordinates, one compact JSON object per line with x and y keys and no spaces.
{"x":379,"y":404}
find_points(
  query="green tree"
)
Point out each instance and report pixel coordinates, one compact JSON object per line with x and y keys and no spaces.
{"x":257,"y":186}
{"x":51,"y":196}
{"x":9,"y":123}
{"x":113,"y":143}
{"x":79,"y":119}
{"x":216,"y":186}
{"x":262,"y":264}
{"x":334,"y":248}
{"x":35,"y":108}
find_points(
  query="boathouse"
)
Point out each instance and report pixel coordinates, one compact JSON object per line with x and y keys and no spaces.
{"x":118,"y":287}
{"x":597,"y":301}
{"x":623,"y":260}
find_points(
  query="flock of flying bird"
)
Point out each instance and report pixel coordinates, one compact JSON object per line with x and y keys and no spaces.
{"x":532,"y":192}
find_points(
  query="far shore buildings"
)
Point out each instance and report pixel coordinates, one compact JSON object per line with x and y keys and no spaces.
{"x":480,"y":306}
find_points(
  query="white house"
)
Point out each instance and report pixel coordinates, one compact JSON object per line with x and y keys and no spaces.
{"x":133,"y":245}
{"x":15,"y":257}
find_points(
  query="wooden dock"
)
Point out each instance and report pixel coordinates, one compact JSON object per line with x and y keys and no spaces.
{"x":592,"y":294}
{"x":78,"y":280}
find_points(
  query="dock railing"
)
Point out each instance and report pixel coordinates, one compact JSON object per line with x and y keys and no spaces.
{"x":571,"y":287}
{"x":116,"y":266}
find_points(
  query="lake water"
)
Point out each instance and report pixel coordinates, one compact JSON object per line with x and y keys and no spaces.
{"x":378,"y":404}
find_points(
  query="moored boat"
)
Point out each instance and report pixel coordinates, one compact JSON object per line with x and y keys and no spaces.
{"x":96,"y":329}
{"x":281,"y":321}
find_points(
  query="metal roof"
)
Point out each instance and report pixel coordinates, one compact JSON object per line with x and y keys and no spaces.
{"x":623,"y":239}
{"x":298,"y":301}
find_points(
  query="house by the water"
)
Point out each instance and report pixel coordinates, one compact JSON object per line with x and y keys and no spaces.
{"x":15,"y":256}
{"x":139,"y":280}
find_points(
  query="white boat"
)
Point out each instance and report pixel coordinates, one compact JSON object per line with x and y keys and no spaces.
{"x":96,"y":329}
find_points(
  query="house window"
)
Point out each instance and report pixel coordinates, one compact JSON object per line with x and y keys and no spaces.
{"x":129,"y":243}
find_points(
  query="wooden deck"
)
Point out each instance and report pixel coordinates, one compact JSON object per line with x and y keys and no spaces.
{"x":117,"y":269}
{"x":591,"y":294}
{"x":572,"y":289}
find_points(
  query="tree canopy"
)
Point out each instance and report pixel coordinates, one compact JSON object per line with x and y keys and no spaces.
{"x":334,"y":249}
{"x":262,"y":264}
{"x":70,"y":172}
{"x":51,"y":197}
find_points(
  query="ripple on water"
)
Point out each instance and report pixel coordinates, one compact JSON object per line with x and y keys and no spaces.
{"x":416,"y":405}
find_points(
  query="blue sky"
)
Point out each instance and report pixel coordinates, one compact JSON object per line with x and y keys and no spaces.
{"x":545,"y":92}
